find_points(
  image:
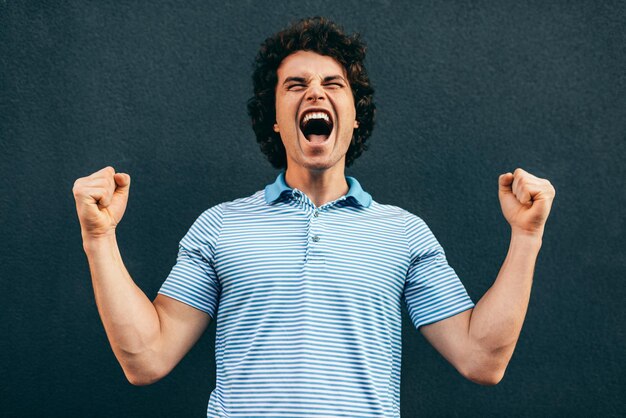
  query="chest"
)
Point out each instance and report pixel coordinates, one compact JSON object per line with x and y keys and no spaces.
{"x":289,"y":262}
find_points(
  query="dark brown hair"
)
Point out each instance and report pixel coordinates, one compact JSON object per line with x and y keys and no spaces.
{"x":320,"y":35}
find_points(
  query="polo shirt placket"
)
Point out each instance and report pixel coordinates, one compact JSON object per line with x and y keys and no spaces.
{"x":314,"y":258}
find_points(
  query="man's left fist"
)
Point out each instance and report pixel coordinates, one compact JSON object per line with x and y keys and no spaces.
{"x":525,"y":200}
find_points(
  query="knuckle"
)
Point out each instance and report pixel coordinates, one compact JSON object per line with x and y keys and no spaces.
{"x":552,"y":189}
{"x":547,"y":185}
{"x":107,"y":171}
{"x":77,"y":188}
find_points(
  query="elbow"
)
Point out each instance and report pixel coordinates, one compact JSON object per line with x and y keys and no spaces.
{"x":487,"y":368}
{"x":141,"y":368}
{"x":143,"y":374}
{"x":142,"y":378}
{"x":487,"y":377}
{"x":488,"y":372}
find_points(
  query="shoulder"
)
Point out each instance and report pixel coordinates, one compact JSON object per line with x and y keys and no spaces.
{"x":210,"y":218}
{"x":387,"y":210}
{"x":217,"y":212}
{"x":419,"y":236}
{"x":410,"y":220}
{"x":207,"y":227}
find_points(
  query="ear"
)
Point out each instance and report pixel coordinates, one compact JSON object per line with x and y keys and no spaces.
{"x":276,"y":128}
{"x":356,"y":124}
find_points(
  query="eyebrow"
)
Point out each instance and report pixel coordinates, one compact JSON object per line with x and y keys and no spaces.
{"x":303,"y":80}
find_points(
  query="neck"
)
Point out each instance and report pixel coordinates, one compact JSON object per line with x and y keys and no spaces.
{"x":321,"y":186}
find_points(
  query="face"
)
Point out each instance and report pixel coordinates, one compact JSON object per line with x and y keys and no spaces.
{"x":315,"y":113}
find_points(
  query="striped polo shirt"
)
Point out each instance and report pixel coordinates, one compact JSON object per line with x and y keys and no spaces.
{"x":308,"y":300}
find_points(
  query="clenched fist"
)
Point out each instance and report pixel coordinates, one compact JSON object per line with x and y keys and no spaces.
{"x":525,"y":200}
{"x":101,"y":201}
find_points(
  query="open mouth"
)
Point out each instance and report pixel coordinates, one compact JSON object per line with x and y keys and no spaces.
{"x":316,"y":125}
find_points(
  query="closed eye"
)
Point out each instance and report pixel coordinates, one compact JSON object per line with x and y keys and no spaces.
{"x":300,"y":86}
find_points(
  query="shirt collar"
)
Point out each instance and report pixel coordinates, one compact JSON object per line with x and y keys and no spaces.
{"x":275,"y":190}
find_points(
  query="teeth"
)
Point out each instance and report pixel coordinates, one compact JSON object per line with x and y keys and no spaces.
{"x":316,"y":115}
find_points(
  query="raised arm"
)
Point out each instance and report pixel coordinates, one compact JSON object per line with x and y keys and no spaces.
{"x":147,"y":338}
{"x":479,"y":342}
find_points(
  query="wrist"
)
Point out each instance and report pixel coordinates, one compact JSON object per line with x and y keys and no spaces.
{"x":96,"y":243}
{"x":526,"y":239}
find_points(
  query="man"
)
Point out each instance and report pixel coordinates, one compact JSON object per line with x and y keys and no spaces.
{"x":306,"y":277}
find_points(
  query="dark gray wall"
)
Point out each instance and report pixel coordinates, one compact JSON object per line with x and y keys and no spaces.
{"x":465,"y":91}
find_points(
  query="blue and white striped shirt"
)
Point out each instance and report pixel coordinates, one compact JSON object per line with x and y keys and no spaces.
{"x":308,"y":300}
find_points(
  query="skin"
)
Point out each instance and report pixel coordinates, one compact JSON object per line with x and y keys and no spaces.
{"x":309,"y":80}
{"x":150,"y":338}
{"x":147,"y":338}
{"x":479,"y":342}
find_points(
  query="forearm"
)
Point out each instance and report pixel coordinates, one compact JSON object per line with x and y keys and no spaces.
{"x":498,"y":316}
{"x":130,"y":320}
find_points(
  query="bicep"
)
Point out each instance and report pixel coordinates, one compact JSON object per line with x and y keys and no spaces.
{"x":181,"y":327}
{"x":450,"y":337}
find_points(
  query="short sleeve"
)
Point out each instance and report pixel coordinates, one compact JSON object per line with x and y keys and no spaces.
{"x":193,"y":280}
{"x":432,"y":289}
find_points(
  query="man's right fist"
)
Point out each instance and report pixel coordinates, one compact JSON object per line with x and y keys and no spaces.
{"x":101,"y":201}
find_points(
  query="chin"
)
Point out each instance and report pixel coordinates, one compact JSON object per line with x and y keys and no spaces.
{"x":319,"y":164}
{"x":316,"y":165}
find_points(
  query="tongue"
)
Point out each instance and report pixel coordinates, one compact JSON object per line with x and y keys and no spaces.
{"x":316,"y":139}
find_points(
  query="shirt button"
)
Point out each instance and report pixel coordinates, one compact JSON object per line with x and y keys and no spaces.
{"x":315,"y":238}
{"x":316,"y":214}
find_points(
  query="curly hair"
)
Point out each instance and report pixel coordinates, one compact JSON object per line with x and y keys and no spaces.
{"x":320,"y":35}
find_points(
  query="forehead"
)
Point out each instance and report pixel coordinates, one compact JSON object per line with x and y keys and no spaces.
{"x":309,"y":64}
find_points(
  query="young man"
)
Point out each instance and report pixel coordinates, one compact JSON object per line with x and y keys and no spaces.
{"x":306,"y":277}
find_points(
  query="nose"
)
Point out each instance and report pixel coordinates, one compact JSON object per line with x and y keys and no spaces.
{"x":315,"y":92}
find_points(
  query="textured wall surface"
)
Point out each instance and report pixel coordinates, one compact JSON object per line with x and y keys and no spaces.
{"x":465,"y":91}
